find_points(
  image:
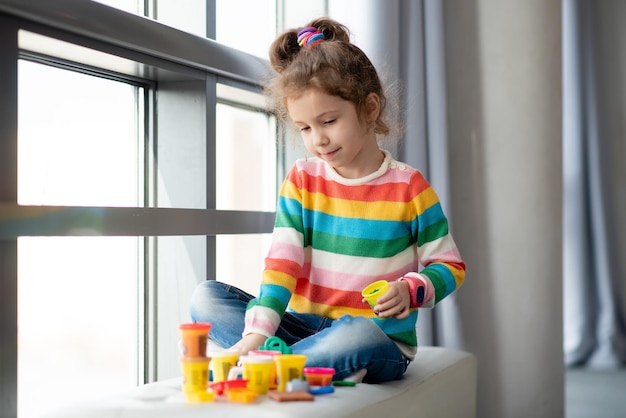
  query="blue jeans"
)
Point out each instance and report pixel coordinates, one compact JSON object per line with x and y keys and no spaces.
{"x":347,"y":344}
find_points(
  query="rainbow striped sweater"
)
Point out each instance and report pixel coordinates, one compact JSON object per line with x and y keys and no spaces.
{"x":333,"y":236}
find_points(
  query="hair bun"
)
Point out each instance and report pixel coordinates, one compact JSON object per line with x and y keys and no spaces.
{"x":331,"y":29}
{"x":288,"y":45}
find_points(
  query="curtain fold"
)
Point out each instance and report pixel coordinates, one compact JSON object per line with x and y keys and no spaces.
{"x":414,"y":147}
{"x":425,"y":141}
{"x":594,"y":228}
{"x":447,"y":326}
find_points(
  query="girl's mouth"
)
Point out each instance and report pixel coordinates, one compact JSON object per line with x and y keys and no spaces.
{"x":328,"y":155}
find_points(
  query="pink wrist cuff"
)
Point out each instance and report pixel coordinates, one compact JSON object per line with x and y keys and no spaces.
{"x":420,"y":292}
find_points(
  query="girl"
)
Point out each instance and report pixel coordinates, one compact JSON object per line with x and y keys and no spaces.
{"x":346,"y":218}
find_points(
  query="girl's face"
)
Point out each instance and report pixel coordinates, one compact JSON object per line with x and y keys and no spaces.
{"x":331,"y":130}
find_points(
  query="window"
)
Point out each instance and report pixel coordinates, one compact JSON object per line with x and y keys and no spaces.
{"x":252,"y":31}
{"x":246,"y":180}
{"x":247,"y":147}
{"x":127,"y":183}
{"x":78,"y":306}
{"x":77,"y":319}
{"x":73,"y":128}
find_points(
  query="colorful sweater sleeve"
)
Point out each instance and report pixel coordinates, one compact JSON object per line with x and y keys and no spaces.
{"x":443,"y":269}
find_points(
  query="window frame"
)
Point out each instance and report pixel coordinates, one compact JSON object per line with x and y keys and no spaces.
{"x":138,"y":39}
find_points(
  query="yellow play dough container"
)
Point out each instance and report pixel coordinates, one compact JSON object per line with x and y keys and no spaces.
{"x":374,"y":291}
{"x":222,"y":362}
{"x":288,"y":368}
{"x":195,"y":374}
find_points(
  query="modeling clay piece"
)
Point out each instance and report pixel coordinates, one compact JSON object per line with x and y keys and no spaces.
{"x":199,"y":396}
{"x":220,"y":387}
{"x":344,"y":383}
{"x":290,"y":396}
{"x":275,"y":343}
{"x":321,"y":390}
{"x":297,"y":385}
{"x":240,"y":395}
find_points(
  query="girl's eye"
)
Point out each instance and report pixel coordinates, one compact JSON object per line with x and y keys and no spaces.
{"x":328,"y":122}
{"x":304,"y":128}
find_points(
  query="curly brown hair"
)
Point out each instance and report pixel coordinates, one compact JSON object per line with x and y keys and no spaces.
{"x":335,"y":66}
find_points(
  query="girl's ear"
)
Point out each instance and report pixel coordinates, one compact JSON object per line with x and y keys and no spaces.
{"x":372,"y":106}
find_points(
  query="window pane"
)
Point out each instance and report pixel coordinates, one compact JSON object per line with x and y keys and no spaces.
{"x":187,"y":15}
{"x":181,"y":263}
{"x":77,"y":296}
{"x":77,"y":139}
{"x":248,"y":25}
{"x":240,"y":260}
{"x":131,"y":6}
{"x":77,"y":320}
{"x":246,"y":157}
{"x":297,"y":13}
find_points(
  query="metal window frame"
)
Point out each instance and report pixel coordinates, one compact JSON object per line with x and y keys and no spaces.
{"x":113,"y":31}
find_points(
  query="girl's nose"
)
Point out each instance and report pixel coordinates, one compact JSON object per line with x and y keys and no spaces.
{"x":319,"y":138}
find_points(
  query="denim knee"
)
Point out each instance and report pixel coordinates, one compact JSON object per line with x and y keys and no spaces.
{"x":206,"y":295}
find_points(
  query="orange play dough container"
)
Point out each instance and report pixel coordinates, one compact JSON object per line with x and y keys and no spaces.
{"x":194,"y":338}
{"x":319,"y":376}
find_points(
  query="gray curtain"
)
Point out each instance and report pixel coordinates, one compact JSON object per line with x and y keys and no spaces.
{"x":425,"y":144}
{"x":594,"y":183}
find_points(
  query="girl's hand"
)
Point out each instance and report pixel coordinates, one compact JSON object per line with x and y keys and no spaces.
{"x":249,"y":342}
{"x":396,"y":302}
